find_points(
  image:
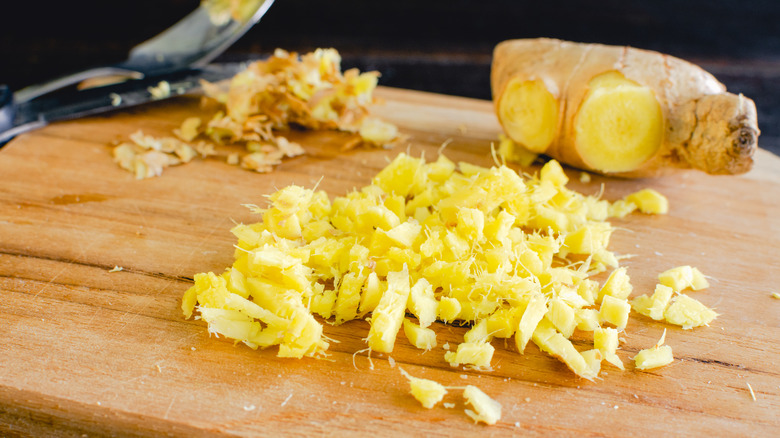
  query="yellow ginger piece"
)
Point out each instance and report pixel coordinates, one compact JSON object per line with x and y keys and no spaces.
{"x":532,"y":315}
{"x":422,"y":302}
{"x":478,"y":333}
{"x":654,"y":306}
{"x":485,"y":410}
{"x":654,"y":357}
{"x":587,"y":319}
{"x":377,"y":132}
{"x":189,"y":129}
{"x":513,"y":153}
{"x":388,"y":316}
{"x":621,"y":208}
{"x":618,"y":285}
{"x":478,"y":354}
{"x":588,"y":238}
{"x":683,"y":277}
{"x":649,"y":201}
{"x":348,"y":299}
{"x":606,"y":341}
{"x":547,"y":338}
{"x":688,"y":312}
{"x":427,"y":392}
{"x":448,"y":309}
{"x":323,"y":304}
{"x":593,"y":358}
{"x":372,"y":293}
{"x":562,"y":316}
{"x":421,"y":337}
{"x":614,"y":311}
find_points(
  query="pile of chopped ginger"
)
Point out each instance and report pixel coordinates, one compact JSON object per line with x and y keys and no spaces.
{"x":509,"y":256}
{"x":262,"y":101}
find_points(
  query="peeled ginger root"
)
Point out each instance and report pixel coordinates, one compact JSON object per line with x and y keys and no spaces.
{"x":619,"y":110}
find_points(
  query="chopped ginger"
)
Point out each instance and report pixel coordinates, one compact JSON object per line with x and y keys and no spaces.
{"x":427,"y":392}
{"x":477,"y":354}
{"x":649,"y":201}
{"x":435,"y":241}
{"x":486,"y":409}
{"x":654,"y":357}
{"x":683,"y":277}
{"x":688,"y":312}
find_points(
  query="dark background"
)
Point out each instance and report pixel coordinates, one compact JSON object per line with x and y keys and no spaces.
{"x":436,"y":45}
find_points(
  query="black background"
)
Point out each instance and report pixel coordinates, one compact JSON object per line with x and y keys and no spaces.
{"x":436,"y":45}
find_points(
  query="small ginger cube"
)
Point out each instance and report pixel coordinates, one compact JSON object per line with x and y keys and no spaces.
{"x":618,"y":285}
{"x":587,"y":319}
{"x":348,"y":297}
{"x":533,"y":314}
{"x":561,"y":315}
{"x":606,"y":341}
{"x":388,"y":315}
{"x":588,"y":238}
{"x":478,"y":332}
{"x":377,"y":132}
{"x":503,"y":322}
{"x":405,"y":234}
{"x":486,"y":409}
{"x":421,"y":337}
{"x":654,"y":357}
{"x":471,"y":223}
{"x":688,"y":312}
{"x":655,"y":305}
{"x":323,"y":304}
{"x":614,"y":311}
{"x":683,"y":277}
{"x":372,"y":293}
{"x":478,"y":354}
{"x":593,"y":360}
{"x":553,"y":172}
{"x":427,"y":392}
{"x":448,"y":309}
{"x":649,"y":201}
{"x":547,"y":338}
{"x":422,"y":302}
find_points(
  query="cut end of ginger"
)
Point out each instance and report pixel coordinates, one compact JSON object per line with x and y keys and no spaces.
{"x":619,"y":125}
{"x":529,"y":113}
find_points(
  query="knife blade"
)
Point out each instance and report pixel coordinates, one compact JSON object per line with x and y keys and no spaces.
{"x":16,"y":119}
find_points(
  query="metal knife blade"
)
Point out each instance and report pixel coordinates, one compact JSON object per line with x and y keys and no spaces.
{"x":40,"y":112}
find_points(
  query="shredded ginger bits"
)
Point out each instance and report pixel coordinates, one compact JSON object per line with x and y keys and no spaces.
{"x":424,"y":242}
{"x":308,"y":91}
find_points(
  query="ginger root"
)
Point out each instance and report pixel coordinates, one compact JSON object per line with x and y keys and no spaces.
{"x":619,"y":110}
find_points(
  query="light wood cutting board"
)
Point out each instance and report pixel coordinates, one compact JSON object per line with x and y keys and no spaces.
{"x":87,"y":351}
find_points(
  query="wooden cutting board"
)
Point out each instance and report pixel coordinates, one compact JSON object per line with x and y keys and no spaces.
{"x":88,"y":351}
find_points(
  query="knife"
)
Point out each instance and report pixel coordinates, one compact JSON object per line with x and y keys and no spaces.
{"x":19,"y":118}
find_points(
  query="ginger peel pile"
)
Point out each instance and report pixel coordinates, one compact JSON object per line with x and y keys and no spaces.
{"x":267,"y":98}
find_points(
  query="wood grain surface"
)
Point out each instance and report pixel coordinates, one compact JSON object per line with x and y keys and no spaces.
{"x":84,"y":350}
